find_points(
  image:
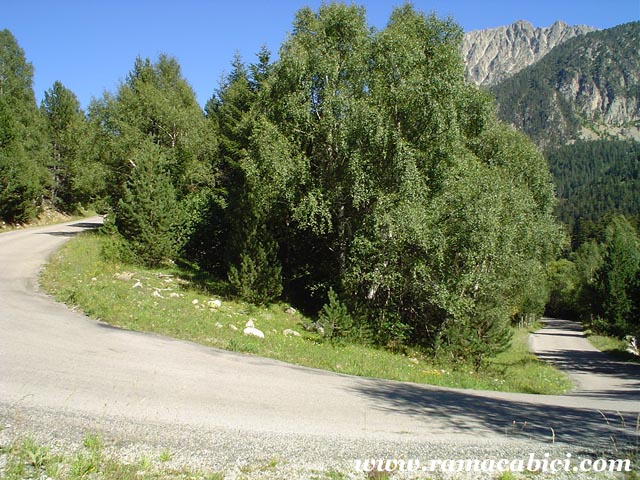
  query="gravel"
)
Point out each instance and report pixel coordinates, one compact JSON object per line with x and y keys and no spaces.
{"x":249,"y":455}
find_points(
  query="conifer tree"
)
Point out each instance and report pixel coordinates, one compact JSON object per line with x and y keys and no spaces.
{"x":148,"y":212}
{"x":23,"y":146}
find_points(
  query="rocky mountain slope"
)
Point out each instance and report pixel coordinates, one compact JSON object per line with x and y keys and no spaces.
{"x":586,"y":88}
{"x":494,"y":54}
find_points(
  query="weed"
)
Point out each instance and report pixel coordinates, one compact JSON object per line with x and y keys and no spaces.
{"x":93,"y":443}
{"x":83,"y":465}
{"x":331,"y":475}
{"x":165,"y":456}
{"x":35,"y":455}
{"x":144,"y":464}
{"x":28,"y":459}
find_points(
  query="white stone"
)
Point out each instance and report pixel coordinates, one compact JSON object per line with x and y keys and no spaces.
{"x":289,"y":332}
{"x":157,"y":294}
{"x":250,"y":323}
{"x":233,"y":327}
{"x":138,"y":284}
{"x":254,"y":332}
{"x":124,"y":276}
{"x":194,"y":301}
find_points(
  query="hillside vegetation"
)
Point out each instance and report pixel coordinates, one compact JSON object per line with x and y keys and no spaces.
{"x":359,"y":177}
{"x":587,"y":87}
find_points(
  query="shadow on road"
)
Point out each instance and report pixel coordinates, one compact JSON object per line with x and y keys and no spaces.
{"x":86,"y":224}
{"x":60,"y":234}
{"x":466,"y":413}
{"x":624,"y":376}
{"x":598,"y":363}
{"x":81,"y":225}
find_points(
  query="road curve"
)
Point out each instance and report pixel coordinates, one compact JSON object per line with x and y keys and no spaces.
{"x":57,"y":362}
{"x":594,"y":373}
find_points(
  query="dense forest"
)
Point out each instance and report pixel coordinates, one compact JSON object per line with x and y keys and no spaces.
{"x":594,"y":179}
{"x":359,"y":177}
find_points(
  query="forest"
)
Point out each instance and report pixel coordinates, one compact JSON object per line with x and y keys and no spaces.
{"x":358,"y":177}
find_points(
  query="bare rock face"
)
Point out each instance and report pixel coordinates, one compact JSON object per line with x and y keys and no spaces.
{"x":497,"y":53}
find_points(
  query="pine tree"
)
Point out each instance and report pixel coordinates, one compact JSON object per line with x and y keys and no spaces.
{"x":615,"y":282}
{"x":66,"y":129}
{"x":23,"y":146}
{"x":147,"y":213}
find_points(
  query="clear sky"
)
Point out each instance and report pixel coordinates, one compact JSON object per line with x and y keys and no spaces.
{"x":90,"y":45}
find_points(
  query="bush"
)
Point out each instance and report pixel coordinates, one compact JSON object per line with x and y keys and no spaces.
{"x":335,"y":320}
{"x":257,"y":277}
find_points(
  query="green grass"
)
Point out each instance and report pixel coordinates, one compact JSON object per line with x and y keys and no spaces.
{"x":171,"y":302}
{"x":27,"y":459}
{"x":613,"y":346}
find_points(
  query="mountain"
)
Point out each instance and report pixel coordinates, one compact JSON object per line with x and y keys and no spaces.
{"x":494,"y":54}
{"x":586,"y":88}
{"x":576,"y":92}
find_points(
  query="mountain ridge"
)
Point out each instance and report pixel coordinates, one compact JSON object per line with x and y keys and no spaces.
{"x":586,"y":88}
{"x":494,"y":54}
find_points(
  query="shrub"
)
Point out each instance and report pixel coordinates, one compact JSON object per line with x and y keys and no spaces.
{"x":335,"y":320}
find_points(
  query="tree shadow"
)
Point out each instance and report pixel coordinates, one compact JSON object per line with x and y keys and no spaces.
{"x":59,"y":234}
{"x":598,"y":363}
{"x":469,"y":413}
{"x":87,"y":225}
{"x":83,"y":226}
{"x":623,"y":375}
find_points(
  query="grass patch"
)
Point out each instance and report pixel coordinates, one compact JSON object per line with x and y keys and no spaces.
{"x":173,"y":302}
{"x":25,"y":458}
{"x":613,"y":346}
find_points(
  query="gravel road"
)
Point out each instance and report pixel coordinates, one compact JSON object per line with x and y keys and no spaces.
{"x":63,"y":375}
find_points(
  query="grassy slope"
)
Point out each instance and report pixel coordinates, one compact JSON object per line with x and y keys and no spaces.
{"x":613,"y":346}
{"x":172,"y":306}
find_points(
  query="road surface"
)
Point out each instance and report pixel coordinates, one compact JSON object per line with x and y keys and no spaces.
{"x":62,"y":372}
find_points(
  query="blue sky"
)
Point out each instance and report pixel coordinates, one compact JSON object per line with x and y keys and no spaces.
{"x":91,"y":45}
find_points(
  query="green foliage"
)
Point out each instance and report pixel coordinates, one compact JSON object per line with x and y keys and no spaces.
{"x":147,"y":212}
{"x":76,"y":177}
{"x":376,"y":171}
{"x":599,"y":283}
{"x":23,"y":146}
{"x":475,"y":337}
{"x":334,"y":319}
{"x":231,"y":219}
{"x":616,"y":280}
{"x":153,"y":126}
{"x":564,"y":285}
{"x":257,"y":276}
{"x":594,"y":179}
